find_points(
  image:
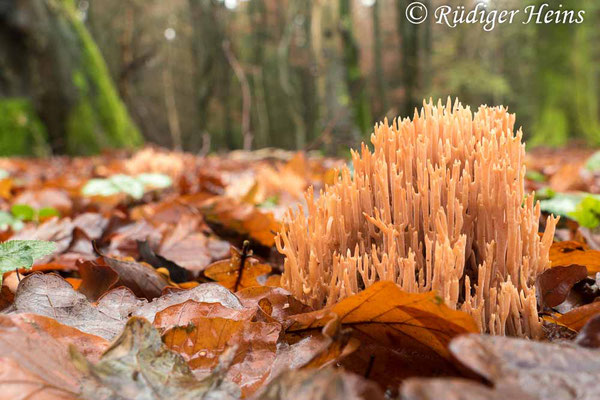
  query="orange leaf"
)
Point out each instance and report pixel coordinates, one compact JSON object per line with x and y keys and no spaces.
{"x":577,"y":318}
{"x":205,"y":339}
{"x":571,"y":252}
{"x":402,"y":334}
{"x":226,"y":272}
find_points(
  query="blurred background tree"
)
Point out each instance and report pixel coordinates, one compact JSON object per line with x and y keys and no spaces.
{"x":210,"y":75}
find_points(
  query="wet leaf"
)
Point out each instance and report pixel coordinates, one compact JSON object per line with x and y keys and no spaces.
{"x":141,"y":278}
{"x":96,"y":278}
{"x":457,"y":389}
{"x":138,"y":366}
{"x":590,"y":333}
{"x":227,"y":272}
{"x":185,"y":313}
{"x":203,"y":340}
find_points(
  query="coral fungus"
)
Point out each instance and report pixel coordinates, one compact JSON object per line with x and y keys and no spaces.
{"x":439,"y":204}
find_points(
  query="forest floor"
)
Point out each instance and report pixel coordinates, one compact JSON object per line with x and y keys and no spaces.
{"x":164,"y":282}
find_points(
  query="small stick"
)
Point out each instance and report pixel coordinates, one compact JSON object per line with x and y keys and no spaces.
{"x":244,"y":255}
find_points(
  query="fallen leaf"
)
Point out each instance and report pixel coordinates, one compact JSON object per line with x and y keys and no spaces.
{"x":578,"y":317}
{"x":34,"y":363}
{"x":560,"y":370}
{"x":227,"y":272}
{"x":97,"y":279}
{"x":458,"y":389}
{"x":590,"y":333}
{"x":324,"y":384}
{"x":141,"y":278}
{"x":571,"y":252}
{"x":51,"y":296}
{"x":554,"y":284}
{"x":184,"y":313}
{"x":203,"y":340}
{"x":282,"y":303}
{"x":138,"y":366}
{"x":407,"y":334}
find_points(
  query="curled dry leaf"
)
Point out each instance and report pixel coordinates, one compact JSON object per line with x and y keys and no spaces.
{"x":141,"y":278}
{"x":402,"y":334}
{"x":554,"y":284}
{"x":560,"y":371}
{"x":571,"y":252}
{"x":138,"y":366}
{"x":227,"y":272}
{"x":96,"y":278}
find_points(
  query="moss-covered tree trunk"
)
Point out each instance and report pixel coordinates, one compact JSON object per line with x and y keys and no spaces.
{"x":50,"y":65}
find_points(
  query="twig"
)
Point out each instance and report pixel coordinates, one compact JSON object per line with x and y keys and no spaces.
{"x":370,"y":366}
{"x":243,"y":257}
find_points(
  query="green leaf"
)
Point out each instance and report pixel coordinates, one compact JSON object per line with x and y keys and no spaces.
{"x":7,"y":220}
{"x":47,"y":212}
{"x":3,"y":174}
{"x":23,"y":212}
{"x":127,"y":184}
{"x":155,"y":181}
{"x":22,"y":253}
{"x":561,"y":203}
{"x":99,"y":187}
{"x":587,"y":212}
{"x":593,"y":163}
{"x":535,"y":176}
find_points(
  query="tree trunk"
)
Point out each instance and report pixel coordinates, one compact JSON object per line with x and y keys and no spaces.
{"x":359,"y":101}
{"x":409,"y":39}
{"x":378,"y":59}
{"x":48,"y":58}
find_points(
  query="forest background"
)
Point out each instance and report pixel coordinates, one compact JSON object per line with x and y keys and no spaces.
{"x":77,"y":76}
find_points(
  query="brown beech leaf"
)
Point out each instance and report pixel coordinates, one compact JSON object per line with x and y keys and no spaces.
{"x":190,"y":248}
{"x":227,"y":272}
{"x":138,"y":366}
{"x":232,"y":217}
{"x":554,"y":284}
{"x":96,"y":278}
{"x":203,"y":340}
{"x":141,"y":278}
{"x":590,"y":333}
{"x":402,"y":334}
{"x":184,"y":313}
{"x":51,"y":296}
{"x":204,"y":293}
{"x":34,"y":361}
{"x":458,"y":389}
{"x":578,"y":317}
{"x":559,"y":370}
{"x":324,"y":384}
{"x":421,"y":316}
{"x":571,"y":252}
{"x":281,"y":303}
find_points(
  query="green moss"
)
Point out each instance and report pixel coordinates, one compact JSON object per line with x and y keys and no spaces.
{"x":21,"y":132}
{"x":99,"y":119}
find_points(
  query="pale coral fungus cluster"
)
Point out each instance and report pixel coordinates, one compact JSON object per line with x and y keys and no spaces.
{"x":439,"y":204}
